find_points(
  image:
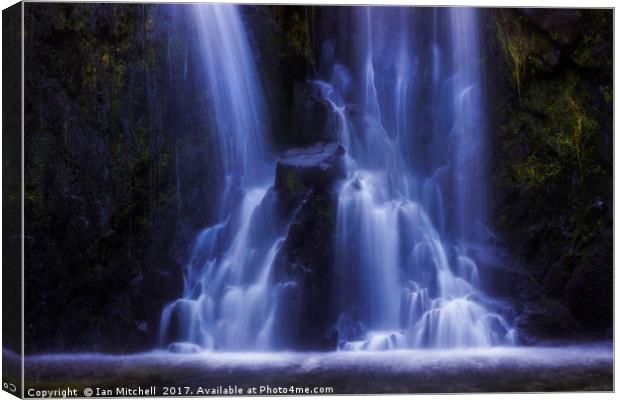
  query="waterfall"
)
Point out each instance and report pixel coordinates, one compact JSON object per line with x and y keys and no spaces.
{"x":401,"y":281}
{"x":468,"y":124}
{"x":227,"y":301}
{"x":233,"y":88}
{"x":406,"y":95}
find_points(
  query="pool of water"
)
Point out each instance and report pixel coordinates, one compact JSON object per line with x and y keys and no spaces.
{"x":514,"y":369}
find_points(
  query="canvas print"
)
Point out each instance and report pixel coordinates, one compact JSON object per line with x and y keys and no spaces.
{"x":227,"y":199}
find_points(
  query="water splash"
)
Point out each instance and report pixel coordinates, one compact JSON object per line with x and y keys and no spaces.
{"x":228,"y":300}
{"x":401,"y":282}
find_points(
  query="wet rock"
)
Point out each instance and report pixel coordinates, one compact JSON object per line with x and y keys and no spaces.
{"x":313,"y":168}
{"x":287,"y":315}
{"x":544,"y":319}
{"x":183,"y":348}
{"x":160,"y":286}
{"x":313,"y":117}
{"x":329,"y":342}
{"x":305,"y":180}
{"x":589,"y":289}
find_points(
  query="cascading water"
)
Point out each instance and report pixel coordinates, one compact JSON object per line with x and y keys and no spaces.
{"x":227,"y":300}
{"x":233,"y":88}
{"x":406,"y":96}
{"x":401,"y":281}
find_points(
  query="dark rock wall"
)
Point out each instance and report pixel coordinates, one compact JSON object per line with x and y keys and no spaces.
{"x":119,"y":172}
{"x":305,"y":184}
{"x":551,"y":75}
{"x":287,"y":47}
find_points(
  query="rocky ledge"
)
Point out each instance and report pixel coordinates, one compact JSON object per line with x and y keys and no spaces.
{"x":315,"y":168}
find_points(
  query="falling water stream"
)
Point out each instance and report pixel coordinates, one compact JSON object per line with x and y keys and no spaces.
{"x":407,"y":100}
{"x":227,"y":300}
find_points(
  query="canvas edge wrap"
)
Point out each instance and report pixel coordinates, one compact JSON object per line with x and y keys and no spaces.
{"x":12,"y":200}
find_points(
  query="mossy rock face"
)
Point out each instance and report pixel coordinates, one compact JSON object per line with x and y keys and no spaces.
{"x":526,"y":50}
{"x":553,"y":157}
{"x":111,"y":173}
{"x":305,"y":184}
{"x":296,"y":24}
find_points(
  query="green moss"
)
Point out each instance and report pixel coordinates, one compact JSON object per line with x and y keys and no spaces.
{"x":594,"y":50}
{"x":515,"y":48}
{"x":293,"y":184}
{"x":526,"y":50}
{"x":608,"y":94}
{"x":554,"y":161}
{"x":533,"y":172}
{"x":555,"y":127}
{"x":327,"y":214}
{"x":296,"y":24}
